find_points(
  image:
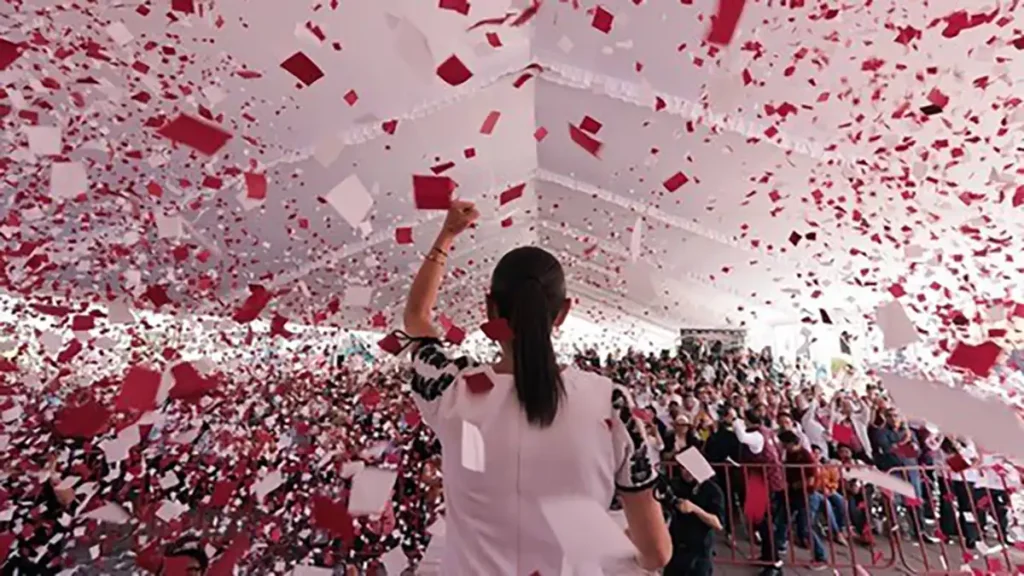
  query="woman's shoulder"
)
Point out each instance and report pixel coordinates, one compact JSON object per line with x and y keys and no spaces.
{"x":596,"y":385}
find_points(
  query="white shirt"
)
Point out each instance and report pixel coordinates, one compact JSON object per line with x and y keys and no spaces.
{"x":971,"y":474}
{"x":494,"y":524}
{"x":998,"y":474}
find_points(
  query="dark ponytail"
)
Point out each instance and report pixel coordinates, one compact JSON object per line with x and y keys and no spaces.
{"x":528,"y":290}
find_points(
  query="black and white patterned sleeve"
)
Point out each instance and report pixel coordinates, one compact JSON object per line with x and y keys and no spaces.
{"x":636,"y":460}
{"x":434,"y":372}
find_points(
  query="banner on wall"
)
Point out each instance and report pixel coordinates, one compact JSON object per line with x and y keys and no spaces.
{"x":692,"y":339}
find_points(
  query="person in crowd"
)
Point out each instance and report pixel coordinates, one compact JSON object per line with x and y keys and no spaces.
{"x":697,"y":512}
{"x":722,"y":450}
{"x":655,"y":434}
{"x":682,"y":437}
{"x":759,"y":412}
{"x":896,"y":452}
{"x":707,"y":396}
{"x":992,"y":498}
{"x":957,"y":516}
{"x":829,"y":497}
{"x":691,"y":407}
{"x":928,"y":441}
{"x":859,"y":496}
{"x":704,"y":428}
{"x":760,"y":448}
{"x":785,"y":422}
{"x":804,"y":500}
{"x":811,"y":423}
{"x":852,"y":414}
{"x":311,"y":429}
{"x":533,"y":450}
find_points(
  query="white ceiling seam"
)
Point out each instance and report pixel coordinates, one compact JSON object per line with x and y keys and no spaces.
{"x":683,"y":301}
{"x":643,"y":96}
{"x":576,"y":185}
{"x":577,"y":262}
{"x":369,"y":132}
{"x":458,"y":255}
{"x":629,"y":307}
{"x":366,"y":133}
{"x":673,"y":272}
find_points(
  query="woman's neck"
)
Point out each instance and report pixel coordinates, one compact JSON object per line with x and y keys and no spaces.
{"x":503,"y":366}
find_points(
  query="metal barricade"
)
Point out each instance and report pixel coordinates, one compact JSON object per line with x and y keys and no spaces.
{"x":948,"y":520}
{"x":858,"y":527}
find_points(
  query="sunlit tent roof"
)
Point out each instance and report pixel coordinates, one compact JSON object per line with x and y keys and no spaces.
{"x":823,"y":160}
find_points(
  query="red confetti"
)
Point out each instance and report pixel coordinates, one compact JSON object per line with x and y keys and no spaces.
{"x":258,"y":299}
{"x":223,"y":490}
{"x":978,"y":359}
{"x":403,"y":235}
{"x":497,"y":330}
{"x":300,"y":66}
{"x":6,"y":542}
{"x":9,"y":52}
{"x":196,"y":134}
{"x":453,"y":71}
{"x":724,"y":21}
{"x":81,"y":323}
{"x":432,"y":192}
{"x":333,"y":517}
{"x":590,"y":125}
{"x":189,"y":384}
{"x":677,"y":181}
{"x":585,"y":141}
{"x":490,"y":122}
{"x":478,"y":383}
{"x":84,"y":421}
{"x":455,"y":335}
{"x":460,"y":6}
{"x":602,"y":20}
{"x":183,"y":6}
{"x":256,"y":186}
{"x":139,"y":390}
{"x":390,"y":344}
{"x":225,"y":564}
{"x":512,"y":193}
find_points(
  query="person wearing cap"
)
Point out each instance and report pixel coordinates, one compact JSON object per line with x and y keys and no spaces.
{"x":681,"y":438}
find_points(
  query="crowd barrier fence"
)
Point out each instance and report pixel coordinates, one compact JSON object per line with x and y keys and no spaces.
{"x":939,"y":532}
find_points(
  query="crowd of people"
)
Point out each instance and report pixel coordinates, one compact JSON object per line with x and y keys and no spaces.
{"x":254,"y":467}
{"x":746,"y":415}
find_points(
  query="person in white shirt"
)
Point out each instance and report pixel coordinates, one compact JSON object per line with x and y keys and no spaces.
{"x":956,"y":514}
{"x":785,"y":422}
{"x":547,"y":432}
{"x":997,"y":476}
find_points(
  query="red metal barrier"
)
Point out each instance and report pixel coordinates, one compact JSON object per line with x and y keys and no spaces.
{"x":871,"y":537}
{"x":960,"y":512}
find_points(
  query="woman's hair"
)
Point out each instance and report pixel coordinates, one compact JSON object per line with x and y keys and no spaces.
{"x":528,"y":291}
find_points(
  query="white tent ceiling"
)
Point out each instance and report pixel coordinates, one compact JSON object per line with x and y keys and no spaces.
{"x":813,"y":181}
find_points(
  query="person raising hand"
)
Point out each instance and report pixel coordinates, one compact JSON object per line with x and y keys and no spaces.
{"x":548,"y":431}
